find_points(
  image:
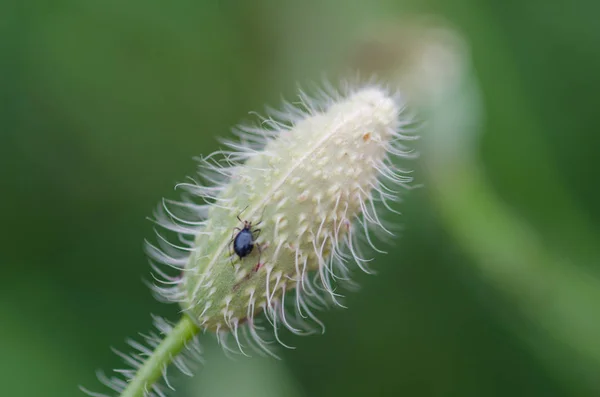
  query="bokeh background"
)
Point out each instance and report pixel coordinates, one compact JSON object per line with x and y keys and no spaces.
{"x":104,"y":104}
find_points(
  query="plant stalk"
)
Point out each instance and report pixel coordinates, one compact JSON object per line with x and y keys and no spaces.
{"x":163,"y":355}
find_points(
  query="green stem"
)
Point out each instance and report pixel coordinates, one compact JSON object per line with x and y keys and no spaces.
{"x":162,"y":356}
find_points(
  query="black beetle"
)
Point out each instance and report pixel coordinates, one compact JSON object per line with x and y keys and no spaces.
{"x":244,"y":240}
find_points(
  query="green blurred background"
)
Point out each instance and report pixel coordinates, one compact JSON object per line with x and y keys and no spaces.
{"x":104,"y":104}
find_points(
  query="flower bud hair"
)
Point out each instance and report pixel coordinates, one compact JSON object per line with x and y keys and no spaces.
{"x":270,"y":226}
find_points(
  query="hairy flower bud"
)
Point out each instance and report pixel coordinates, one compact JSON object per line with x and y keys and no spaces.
{"x":287,"y":209}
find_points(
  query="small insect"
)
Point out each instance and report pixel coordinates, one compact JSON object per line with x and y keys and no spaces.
{"x":245,"y":239}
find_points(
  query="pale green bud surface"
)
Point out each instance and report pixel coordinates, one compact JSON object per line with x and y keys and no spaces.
{"x":305,"y":189}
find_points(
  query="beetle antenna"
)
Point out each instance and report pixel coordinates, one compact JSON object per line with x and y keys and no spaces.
{"x":241,"y":212}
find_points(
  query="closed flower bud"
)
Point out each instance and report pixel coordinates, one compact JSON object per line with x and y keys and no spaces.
{"x":286,"y":214}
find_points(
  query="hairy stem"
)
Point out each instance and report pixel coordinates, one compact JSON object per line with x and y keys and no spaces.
{"x":162,"y":356}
